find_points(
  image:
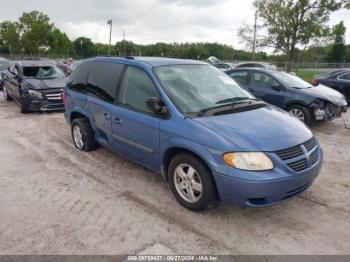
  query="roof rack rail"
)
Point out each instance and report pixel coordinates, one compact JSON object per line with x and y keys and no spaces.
{"x":129,"y":57}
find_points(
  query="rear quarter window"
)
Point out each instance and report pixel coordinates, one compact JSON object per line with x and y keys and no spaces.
{"x":78,"y":80}
{"x":103,"y":80}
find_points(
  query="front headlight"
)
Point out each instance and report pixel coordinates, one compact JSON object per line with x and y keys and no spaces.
{"x":251,"y":161}
{"x":34,"y":93}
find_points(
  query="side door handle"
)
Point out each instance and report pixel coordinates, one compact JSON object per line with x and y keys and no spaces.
{"x":117,"y":120}
{"x":107,"y":116}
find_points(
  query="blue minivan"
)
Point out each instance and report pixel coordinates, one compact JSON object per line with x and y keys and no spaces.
{"x":209,"y":138}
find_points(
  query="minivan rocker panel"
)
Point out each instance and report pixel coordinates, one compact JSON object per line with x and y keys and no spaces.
{"x":193,"y":145}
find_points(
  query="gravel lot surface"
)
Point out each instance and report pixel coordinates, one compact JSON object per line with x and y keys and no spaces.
{"x":57,"y":200}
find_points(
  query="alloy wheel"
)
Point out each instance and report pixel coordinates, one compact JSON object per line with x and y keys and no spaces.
{"x":78,"y":137}
{"x":298,"y":113}
{"x":188,"y":183}
{"x":4,"y":91}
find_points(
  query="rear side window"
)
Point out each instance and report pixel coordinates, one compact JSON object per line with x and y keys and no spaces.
{"x":345,"y":77}
{"x":103,"y":80}
{"x":79,"y":78}
{"x":136,"y":88}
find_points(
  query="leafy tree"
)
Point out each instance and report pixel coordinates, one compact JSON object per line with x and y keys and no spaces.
{"x":10,"y":37}
{"x":103,"y":49}
{"x":83,"y":47}
{"x":36,"y":32}
{"x":337,"y":53}
{"x":59,"y":44}
{"x":292,"y":24}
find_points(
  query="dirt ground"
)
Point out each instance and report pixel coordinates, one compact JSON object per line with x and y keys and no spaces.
{"x":57,"y":200}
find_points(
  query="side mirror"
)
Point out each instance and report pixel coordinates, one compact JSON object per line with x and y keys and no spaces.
{"x":157,"y":106}
{"x":277,"y":87}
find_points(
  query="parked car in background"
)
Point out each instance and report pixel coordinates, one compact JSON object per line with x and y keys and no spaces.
{"x":208,"y":137}
{"x":3,"y":67}
{"x":71,"y":67}
{"x":223,"y":66}
{"x":34,"y":85}
{"x":257,"y":65}
{"x":291,"y":93}
{"x":32,"y":58}
{"x":338,"y":80}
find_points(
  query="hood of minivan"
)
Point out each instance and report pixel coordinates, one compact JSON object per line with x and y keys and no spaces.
{"x":59,"y":82}
{"x":325,"y":93}
{"x":266,"y":129}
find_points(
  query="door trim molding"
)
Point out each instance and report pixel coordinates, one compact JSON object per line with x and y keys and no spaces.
{"x":134,"y":144}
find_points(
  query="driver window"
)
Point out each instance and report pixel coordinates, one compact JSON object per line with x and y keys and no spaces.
{"x":135,"y":89}
{"x":262,"y":80}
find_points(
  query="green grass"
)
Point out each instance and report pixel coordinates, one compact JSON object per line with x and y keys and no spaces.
{"x":308,"y":75}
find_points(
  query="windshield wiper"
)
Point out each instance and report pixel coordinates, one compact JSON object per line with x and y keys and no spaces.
{"x":236,"y":99}
{"x":227,"y":104}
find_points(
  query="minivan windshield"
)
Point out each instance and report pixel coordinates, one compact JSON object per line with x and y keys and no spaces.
{"x":290,"y":80}
{"x":194,"y":88}
{"x":42,"y":72}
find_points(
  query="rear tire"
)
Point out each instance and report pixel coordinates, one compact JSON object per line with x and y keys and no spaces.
{"x":191,"y":182}
{"x":300,"y":112}
{"x":83,"y":135}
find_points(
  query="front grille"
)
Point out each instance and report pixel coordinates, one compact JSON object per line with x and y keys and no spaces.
{"x":290,"y":153}
{"x":299,"y":165}
{"x":314,"y":157}
{"x":309,"y":150}
{"x":310,"y":144}
{"x":54,"y":95}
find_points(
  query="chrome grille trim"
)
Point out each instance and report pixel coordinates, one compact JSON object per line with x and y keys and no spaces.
{"x":290,"y":153}
{"x":309,"y":150}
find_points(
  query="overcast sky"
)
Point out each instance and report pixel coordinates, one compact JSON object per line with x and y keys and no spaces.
{"x":148,"y":21}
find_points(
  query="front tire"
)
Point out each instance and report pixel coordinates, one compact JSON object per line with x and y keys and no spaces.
{"x":300,"y":112}
{"x":83,"y":135}
{"x":191,"y":182}
{"x":5,"y":93}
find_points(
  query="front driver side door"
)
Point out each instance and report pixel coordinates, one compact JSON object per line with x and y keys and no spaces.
{"x":135,"y":128}
{"x":13,"y":85}
{"x":265,"y":87}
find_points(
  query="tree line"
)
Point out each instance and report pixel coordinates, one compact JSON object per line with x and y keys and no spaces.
{"x":295,"y":30}
{"x":298,"y":30}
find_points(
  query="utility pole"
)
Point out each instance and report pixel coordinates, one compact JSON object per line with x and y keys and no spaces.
{"x":124,"y":42}
{"x":256,"y":5}
{"x":11,"y":52}
{"x":110,"y":23}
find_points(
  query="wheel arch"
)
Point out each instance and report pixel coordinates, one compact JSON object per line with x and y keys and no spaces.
{"x":78,"y":113}
{"x":296,"y":103}
{"x":201,"y":155}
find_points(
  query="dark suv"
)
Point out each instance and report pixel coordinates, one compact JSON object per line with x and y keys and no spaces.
{"x":34,"y":85}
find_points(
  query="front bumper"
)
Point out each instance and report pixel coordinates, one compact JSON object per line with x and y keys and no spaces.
{"x":37,"y":104}
{"x":329,"y":113}
{"x":260,"y":193}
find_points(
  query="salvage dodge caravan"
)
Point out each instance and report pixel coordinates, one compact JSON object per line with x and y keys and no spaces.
{"x":210,"y":139}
